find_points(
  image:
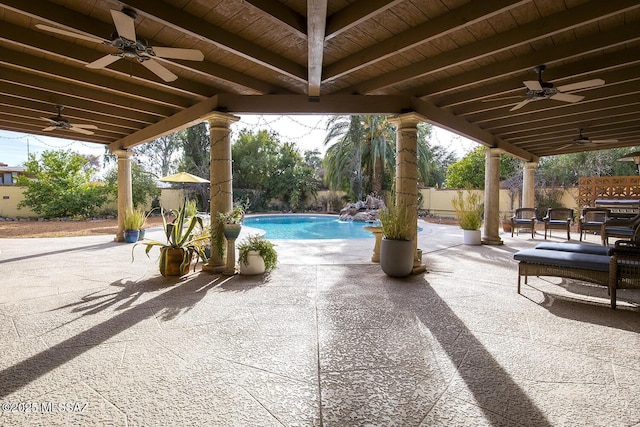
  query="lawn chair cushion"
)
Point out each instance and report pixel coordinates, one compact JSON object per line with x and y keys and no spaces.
{"x":579,"y":260}
{"x":575,"y":247}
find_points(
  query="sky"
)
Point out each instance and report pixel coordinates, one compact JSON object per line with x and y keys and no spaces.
{"x":306,"y":131}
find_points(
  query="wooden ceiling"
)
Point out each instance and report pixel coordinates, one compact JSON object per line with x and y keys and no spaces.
{"x":459,"y":63}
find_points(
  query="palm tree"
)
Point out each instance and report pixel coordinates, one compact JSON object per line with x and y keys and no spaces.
{"x":362,"y":151}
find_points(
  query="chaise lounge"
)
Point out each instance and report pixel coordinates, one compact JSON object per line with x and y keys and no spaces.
{"x":614,"y":268}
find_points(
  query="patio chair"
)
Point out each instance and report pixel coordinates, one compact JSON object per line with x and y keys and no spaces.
{"x":592,"y":220}
{"x":624,"y":228}
{"x":558,"y":219}
{"x":624,"y":270}
{"x":524,"y":218}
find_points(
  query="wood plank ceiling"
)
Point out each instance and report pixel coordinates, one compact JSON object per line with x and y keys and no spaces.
{"x":460,"y":63}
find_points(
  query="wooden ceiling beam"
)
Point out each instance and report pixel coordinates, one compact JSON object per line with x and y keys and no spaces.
{"x":459,"y":18}
{"x":181,"y":21}
{"x":81,"y":76}
{"x":36,"y":82}
{"x":581,"y":70}
{"x":34,"y":109}
{"x":554,"y":24}
{"x":602,"y":98}
{"x":295,"y":22}
{"x":356,"y":13}
{"x":317,"y":20}
{"x":76,"y":22}
{"x":16,"y":91}
{"x":448,"y":121}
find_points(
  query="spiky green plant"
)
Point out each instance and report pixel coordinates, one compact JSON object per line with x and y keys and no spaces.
{"x":180,"y":235}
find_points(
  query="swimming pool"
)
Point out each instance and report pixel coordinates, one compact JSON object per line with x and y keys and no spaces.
{"x":305,"y":227}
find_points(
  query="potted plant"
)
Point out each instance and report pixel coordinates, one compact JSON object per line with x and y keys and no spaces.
{"x":505,"y":219}
{"x":227,"y":225}
{"x":469,"y":210}
{"x":134,"y":219}
{"x":176,"y":254}
{"x":256,"y":255}
{"x":396,"y":247}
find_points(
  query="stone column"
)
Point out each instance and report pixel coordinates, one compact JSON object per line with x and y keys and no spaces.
{"x":125,"y":194}
{"x":492,"y":198}
{"x":407,"y":175}
{"x":528,"y":185}
{"x":221,"y":193}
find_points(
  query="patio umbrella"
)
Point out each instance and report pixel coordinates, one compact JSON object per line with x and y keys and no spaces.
{"x":184,"y":178}
{"x":632,"y":157}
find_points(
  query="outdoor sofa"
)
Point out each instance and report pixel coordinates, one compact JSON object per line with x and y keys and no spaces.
{"x":614,"y":268}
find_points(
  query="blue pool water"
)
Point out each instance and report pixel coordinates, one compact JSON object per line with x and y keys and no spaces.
{"x":303,"y":227}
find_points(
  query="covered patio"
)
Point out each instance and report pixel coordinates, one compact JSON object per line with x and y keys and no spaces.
{"x":464,"y":66}
{"x":326,"y":339}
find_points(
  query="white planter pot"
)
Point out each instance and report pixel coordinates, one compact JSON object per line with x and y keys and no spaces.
{"x":254,"y":265}
{"x":472,"y":237}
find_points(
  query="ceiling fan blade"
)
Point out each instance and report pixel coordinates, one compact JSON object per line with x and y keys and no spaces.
{"x":520,"y":105}
{"x":124,"y":25}
{"x":84,"y":126}
{"x":46,"y":119}
{"x":567,"y":97}
{"x":159,"y":70}
{"x":533,"y":85}
{"x":80,"y":130}
{"x":580,"y":85}
{"x":178,"y":53}
{"x":103,"y":62}
{"x":51,"y":29}
{"x":49,"y":128}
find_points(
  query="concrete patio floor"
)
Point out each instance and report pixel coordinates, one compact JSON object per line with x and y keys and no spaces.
{"x":90,"y":338}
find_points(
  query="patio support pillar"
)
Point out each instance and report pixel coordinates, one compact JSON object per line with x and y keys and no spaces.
{"x":407,"y":175}
{"x":528,"y":185}
{"x":492,"y":198}
{"x":125,"y":193}
{"x":221,"y":192}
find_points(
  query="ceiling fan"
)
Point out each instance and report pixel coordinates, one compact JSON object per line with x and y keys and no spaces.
{"x":59,"y":122}
{"x":539,"y":89}
{"x":582,"y":140}
{"x":131,"y":46}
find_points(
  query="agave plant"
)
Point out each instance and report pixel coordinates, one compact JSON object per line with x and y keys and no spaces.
{"x":182,"y":239}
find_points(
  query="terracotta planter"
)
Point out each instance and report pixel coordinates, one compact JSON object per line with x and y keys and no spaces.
{"x":396,"y":257}
{"x":173,"y":261}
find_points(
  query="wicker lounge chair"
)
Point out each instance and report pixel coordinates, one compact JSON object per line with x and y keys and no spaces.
{"x":592,"y":220}
{"x":558,"y":218}
{"x":524,"y":218}
{"x":614,"y":268}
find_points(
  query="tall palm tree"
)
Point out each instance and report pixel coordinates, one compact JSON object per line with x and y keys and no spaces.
{"x":362,"y":151}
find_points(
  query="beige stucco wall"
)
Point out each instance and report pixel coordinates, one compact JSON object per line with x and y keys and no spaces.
{"x":436,"y":202}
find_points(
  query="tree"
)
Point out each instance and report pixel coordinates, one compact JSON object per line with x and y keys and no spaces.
{"x":196,"y":158}
{"x":60,"y":185}
{"x":143,"y":185}
{"x":469,"y":171}
{"x":362,"y":151}
{"x":161,"y":155}
{"x":433,"y":160}
{"x":264,"y":168}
